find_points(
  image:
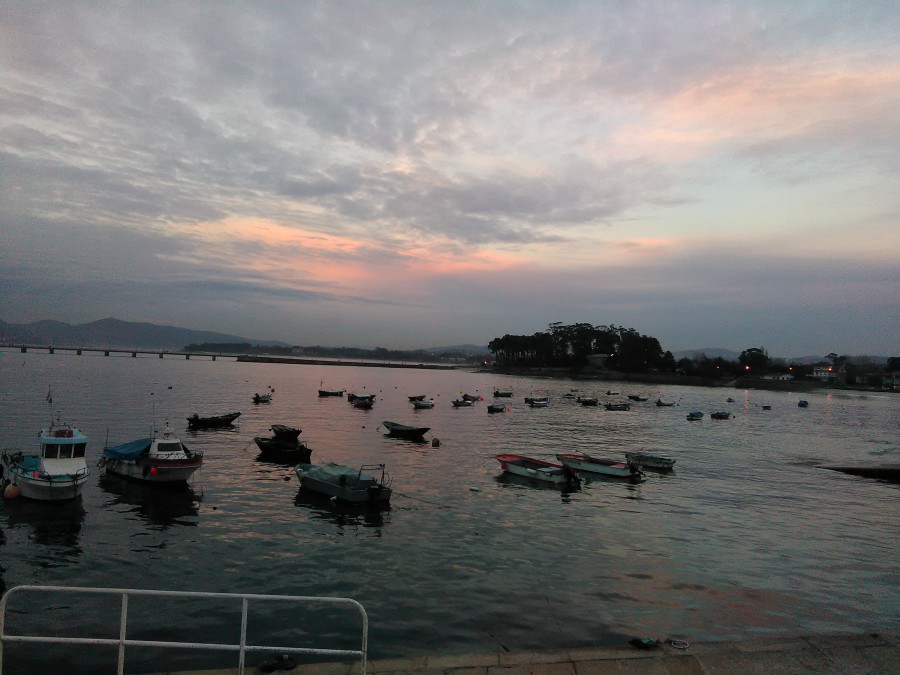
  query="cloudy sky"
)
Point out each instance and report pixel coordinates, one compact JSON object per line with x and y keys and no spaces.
{"x":413,"y":174}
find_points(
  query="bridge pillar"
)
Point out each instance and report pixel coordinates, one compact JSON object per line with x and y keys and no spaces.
{"x":160,"y":355}
{"x":24,"y":349}
{"x":187,"y":357}
{"x":214,"y":357}
{"x":106,"y":353}
{"x":50,"y":349}
{"x":78,"y":352}
{"x":134,"y":355}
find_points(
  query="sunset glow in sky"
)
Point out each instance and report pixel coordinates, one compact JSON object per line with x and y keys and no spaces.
{"x":419,"y":174}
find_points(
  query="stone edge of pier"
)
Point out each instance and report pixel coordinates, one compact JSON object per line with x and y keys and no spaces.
{"x":857,"y":653}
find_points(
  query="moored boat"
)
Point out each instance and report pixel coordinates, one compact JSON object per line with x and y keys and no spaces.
{"x":331,"y":392}
{"x":281,"y":450}
{"x":636,"y":397}
{"x":346,"y":483}
{"x":213,"y":422}
{"x":599,"y":465}
{"x":284,"y":432}
{"x":462,"y":403}
{"x":423,"y":405}
{"x":695,"y":416}
{"x":587,"y":400}
{"x":660,"y":403}
{"x":536,"y":469}
{"x":502,"y":394}
{"x":406,"y":431}
{"x":496,"y":407}
{"x":353,"y":398}
{"x":720,"y":415}
{"x":646,"y":460}
{"x":263,"y":398}
{"x":472,"y":397}
{"x":617,"y":406}
{"x":159,"y":459}
{"x":417,"y":397}
{"x":55,"y":472}
{"x":802,"y":403}
{"x":364,"y":402}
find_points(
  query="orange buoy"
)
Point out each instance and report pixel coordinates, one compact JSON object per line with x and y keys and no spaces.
{"x":11,"y":491}
{"x":435,"y":443}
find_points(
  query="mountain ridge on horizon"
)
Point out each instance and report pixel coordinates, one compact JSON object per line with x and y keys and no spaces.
{"x":116,"y":333}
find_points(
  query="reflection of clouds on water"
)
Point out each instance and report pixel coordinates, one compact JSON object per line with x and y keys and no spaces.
{"x":54,"y":525}
{"x":161,"y":506}
{"x":346,"y":517}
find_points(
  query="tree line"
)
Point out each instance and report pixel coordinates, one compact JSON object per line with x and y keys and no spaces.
{"x":570,"y":346}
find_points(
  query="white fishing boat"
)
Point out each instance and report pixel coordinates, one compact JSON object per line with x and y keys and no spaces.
{"x":58,"y":471}
{"x":159,"y":459}
{"x":346,"y":483}
{"x":537,"y":469}
{"x":599,"y":465}
{"x":424,"y":404}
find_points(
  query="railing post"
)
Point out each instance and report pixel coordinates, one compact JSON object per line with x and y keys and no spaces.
{"x":123,"y":621}
{"x":243,"y":636}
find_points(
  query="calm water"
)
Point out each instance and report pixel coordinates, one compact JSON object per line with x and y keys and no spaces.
{"x":746,"y":538}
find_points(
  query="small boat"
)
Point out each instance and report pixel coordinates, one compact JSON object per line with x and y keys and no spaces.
{"x":471,"y":397}
{"x":405,"y":431}
{"x":284,"y":432}
{"x":423,"y":405}
{"x":636,"y":397}
{"x":802,"y":403}
{"x":158,"y":460}
{"x":729,"y":400}
{"x":720,"y":415}
{"x":264,"y":398}
{"x":418,"y":397}
{"x":587,"y":400}
{"x":345,"y":483}
{"x":694,"y":416}
{"x":660,"y":403}
{"x":646,"y":460}
{"x":496,"y":407}
{"x":352,"y":398}
{"x":197,"y":422}
{"x":599,"y":465}
{"x":767,"y":407}
{"x":57,"y":472}
{"x":617,"y":406}
{"x":610,"y":392}
{"x":364,"y":402}
{"x":502,"y":394}
{"x":462,"y":403}
{"x":537,"y":469}
{"x":331,"y":392}
{"x":531,"y":399}
{"x":283,"y":451}
{"x":540,"y":403}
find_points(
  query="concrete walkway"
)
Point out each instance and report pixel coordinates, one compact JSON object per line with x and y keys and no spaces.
{"x":876,"y":653}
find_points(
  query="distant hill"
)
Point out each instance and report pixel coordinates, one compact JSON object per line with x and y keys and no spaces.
{"x":115,"y":334}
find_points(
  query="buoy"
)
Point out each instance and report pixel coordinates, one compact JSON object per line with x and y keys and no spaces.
{"x":474,"y":489}
{"x":154,"y":470}
{"x":11,"y":491}
{"x":435,"y":443}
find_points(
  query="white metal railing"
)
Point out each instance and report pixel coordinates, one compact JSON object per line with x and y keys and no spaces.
{"x":122,"y":641}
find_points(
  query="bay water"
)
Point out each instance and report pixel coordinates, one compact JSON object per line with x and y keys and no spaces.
{"x":747,"y":537}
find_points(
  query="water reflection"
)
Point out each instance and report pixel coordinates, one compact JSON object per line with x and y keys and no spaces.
{"x":512,"y":480}
{"x":56,"y":524}
{"x":343,"y":515}
{"x":160,"y":505}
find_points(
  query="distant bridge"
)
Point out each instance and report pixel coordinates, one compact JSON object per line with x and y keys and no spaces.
{"x":107,"y":351}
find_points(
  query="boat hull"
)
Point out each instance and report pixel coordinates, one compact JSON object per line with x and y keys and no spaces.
{"x":150,"y":471}
{"x":287,"y":452}
{"x":602,"y":467}
{"x":650,"y":461}
{"x":376,"y":493}
{"x":198,"y":422}
{"x":404,"y":431}
{"x":45,"y":489}
{"x":535,"y":469}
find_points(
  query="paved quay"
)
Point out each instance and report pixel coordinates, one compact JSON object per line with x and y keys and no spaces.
{"x":869,"y":653}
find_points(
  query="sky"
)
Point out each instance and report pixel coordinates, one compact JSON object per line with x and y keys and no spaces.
{"x":416,"y":174}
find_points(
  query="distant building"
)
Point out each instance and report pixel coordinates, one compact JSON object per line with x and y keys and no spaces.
{"x":779,"y":377}
{"x":824,"y":373}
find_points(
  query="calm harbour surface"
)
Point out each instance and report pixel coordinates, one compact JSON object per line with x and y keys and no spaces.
{"x":747,"y":537}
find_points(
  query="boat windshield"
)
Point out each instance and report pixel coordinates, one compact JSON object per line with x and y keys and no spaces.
{"x":168,"y":447}
{"x":50,"y":451}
